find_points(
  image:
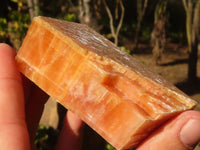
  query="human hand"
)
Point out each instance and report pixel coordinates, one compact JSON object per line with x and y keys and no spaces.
{"x":180,"y":133}
{"x":21,"y":106}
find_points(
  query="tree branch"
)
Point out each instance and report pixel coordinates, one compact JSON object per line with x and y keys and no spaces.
{"x":121,"y":19}
{"x":112,"y":28}
{"x":116,"y":10}
{"x":185,"y":5}
{"x":110,"y":17}
{"x":145,"y":6}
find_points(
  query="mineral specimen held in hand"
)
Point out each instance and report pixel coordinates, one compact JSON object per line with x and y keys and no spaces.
{"x":113,"y":93}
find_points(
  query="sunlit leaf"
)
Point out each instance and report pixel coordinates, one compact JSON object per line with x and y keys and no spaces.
{"x":15,"y":1}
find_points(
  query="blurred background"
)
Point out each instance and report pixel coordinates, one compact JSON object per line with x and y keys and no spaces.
{"x":162,"y":34}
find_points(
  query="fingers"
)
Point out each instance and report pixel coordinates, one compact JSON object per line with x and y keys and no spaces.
{"x":71,"y":134}
{"x":13,"y":135}
{"x":181,"y":133}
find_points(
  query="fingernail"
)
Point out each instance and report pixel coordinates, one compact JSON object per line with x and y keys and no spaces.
{"x":190,"y":133}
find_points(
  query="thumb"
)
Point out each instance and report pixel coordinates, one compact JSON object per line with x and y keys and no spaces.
{"x":181,"y":133}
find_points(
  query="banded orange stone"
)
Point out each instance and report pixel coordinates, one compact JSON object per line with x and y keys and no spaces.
{"x":119,"y":97}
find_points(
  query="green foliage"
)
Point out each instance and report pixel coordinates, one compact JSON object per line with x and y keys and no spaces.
{"x":15,"y":1}
{"x":124,"y":49}
{"x":70,"y":17}
{"x":176,"y":36}
{"x":134,"y":25}
{"x":41,"y":136}
{"x":128,"y":30}
{"x":109,"y":147}
{"x":14,"y":26}
{"x":46,"y":137}
{"x":19,"y":24}
{"x":108,"y":36}
{"x":144,"y":62}
{"x":3,"y":23}
{"x":146,"y":32}
{"x":3,"y":28}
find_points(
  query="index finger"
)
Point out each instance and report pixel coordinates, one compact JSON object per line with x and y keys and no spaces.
{"x":14,"y":134}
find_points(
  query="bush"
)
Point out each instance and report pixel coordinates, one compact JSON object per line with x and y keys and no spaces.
{"x":3,"y":29}
{"x":46,"y":137}
{"x":70,"y":17}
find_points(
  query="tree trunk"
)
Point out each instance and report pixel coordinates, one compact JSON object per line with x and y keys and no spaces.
{"x":141,"y":8}
{"x":31,"y":9}
{"x":85,"y":14}
{"x":192,"y":30}
{"x":158,"y":35}
{"x":193,"y":55}
{"x":36,"y":7}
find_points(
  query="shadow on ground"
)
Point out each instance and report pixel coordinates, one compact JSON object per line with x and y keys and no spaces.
{"x":175,"y":62}
{"x":189,"y":88}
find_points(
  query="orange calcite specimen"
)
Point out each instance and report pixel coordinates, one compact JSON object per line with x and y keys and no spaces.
{"x":113,"y":93}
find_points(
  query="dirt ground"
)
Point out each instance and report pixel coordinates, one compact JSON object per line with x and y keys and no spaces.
{"x":173,"y":67}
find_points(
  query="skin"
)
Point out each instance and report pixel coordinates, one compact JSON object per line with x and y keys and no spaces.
{"x":22,"y":103}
